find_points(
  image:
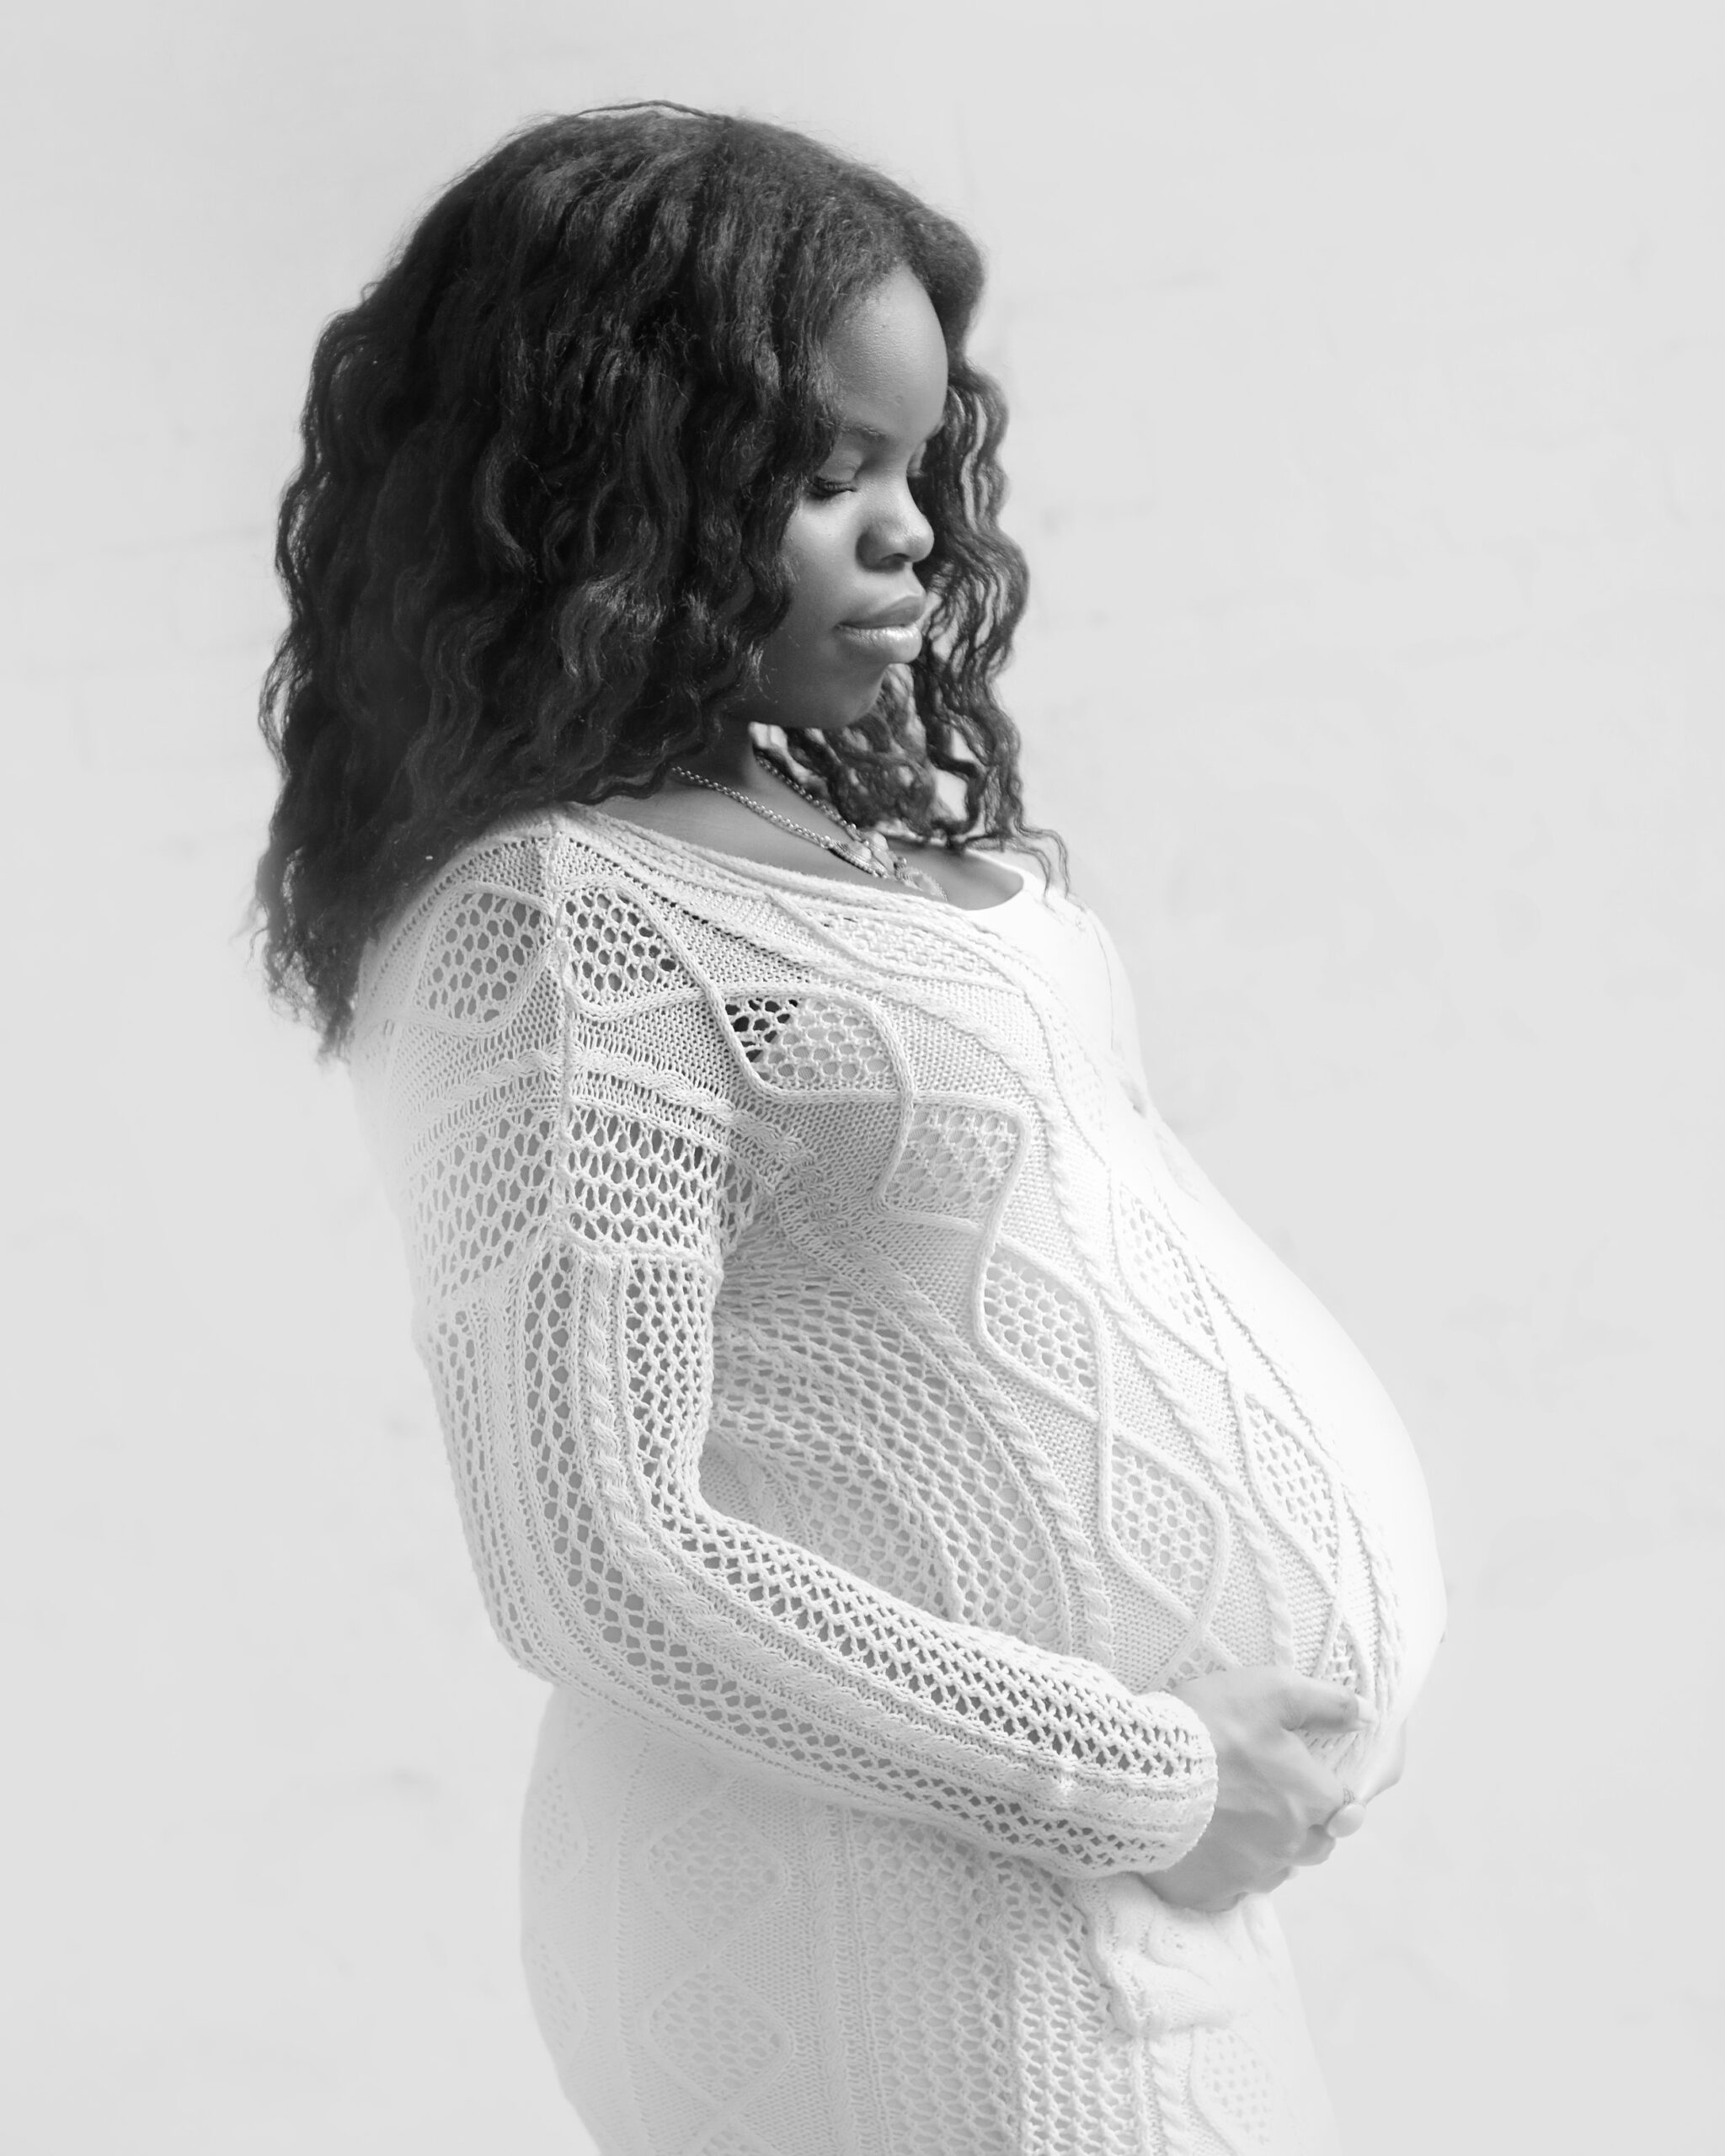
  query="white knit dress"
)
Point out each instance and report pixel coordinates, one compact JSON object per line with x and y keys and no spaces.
{"x":859,"y":1405}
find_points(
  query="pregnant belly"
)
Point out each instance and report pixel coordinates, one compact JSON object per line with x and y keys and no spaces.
{"x":1381,"y":1476}
{"x":1340,"y":1526}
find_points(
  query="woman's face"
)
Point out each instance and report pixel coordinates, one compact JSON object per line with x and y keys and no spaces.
{"x":855,"y":539}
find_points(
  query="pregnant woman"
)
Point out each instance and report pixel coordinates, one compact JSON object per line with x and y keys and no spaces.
{"x":971,"y":1571}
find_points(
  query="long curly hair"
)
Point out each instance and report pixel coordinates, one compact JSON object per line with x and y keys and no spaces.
{"x":534,"y":541}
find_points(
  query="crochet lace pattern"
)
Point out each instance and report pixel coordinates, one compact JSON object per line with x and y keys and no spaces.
{"x":831,"y":1393}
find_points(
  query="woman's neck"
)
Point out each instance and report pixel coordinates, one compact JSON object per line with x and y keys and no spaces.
{"x":732,"y":761}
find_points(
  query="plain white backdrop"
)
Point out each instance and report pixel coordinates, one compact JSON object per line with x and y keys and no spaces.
{"x":1365,"y":362}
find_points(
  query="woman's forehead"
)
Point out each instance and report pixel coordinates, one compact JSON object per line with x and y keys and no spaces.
{"x":886,"y":363}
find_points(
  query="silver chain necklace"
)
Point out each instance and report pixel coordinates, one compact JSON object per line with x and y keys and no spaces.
{"x":865,"y":849}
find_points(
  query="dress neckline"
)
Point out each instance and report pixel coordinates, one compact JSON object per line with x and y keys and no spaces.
{"x":742,"y":864}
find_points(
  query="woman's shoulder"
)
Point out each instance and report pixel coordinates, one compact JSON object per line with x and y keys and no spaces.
{"x":535,"y":857}
{"x":501,"y":886}
{"x":563,"y":875}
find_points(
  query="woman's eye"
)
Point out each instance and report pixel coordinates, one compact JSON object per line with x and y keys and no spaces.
{"x":821,"y":489}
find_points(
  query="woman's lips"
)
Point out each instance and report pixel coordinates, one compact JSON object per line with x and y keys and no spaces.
{"x":892,"y":642}
{"x":893,"y":635}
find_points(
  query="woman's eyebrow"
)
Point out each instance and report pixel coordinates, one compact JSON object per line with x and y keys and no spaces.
{"x":878,"y":438}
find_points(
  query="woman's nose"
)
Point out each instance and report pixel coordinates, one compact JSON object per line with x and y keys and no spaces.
{"x":900,"y":532}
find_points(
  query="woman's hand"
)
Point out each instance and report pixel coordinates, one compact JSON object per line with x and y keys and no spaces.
{"x":1276,"y":1805}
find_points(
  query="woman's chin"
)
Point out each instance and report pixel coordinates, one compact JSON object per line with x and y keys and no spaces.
{"x":830,"y":721}
{"x":830,"y":710}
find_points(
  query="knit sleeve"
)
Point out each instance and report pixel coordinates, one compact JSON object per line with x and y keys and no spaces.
{"x":563,"y":1105}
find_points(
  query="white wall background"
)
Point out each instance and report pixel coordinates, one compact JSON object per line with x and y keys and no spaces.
{"x":1366,"y":363}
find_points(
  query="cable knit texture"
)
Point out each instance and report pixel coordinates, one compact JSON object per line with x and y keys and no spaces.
{"x":852,"y":1417}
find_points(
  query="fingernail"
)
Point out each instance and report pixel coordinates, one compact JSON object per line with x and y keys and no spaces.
{"x":1364,"y":1710}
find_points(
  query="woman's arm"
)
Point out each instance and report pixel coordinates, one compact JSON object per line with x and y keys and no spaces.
{"x":563,"y":1141}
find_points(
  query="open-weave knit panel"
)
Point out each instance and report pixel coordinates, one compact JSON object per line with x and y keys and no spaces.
{"x":838,"y":1401}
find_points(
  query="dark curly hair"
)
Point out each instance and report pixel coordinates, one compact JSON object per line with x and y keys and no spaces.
{"x":534,"y":541}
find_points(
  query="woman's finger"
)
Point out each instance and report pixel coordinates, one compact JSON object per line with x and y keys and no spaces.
{"x":1315,"y":1794}
{"x":1313,"y":1703}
